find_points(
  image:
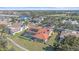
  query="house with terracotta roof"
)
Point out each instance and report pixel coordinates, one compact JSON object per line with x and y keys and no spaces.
{"x":38,"y":34}
{"x":43,"y":34}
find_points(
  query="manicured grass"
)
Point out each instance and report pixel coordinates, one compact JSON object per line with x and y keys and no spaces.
{"x":30,"y":45}
{"x":12,"y":47}
{"x":51,"y":40}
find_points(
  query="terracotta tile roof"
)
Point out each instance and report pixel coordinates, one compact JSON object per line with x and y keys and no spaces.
{"x":42,"y":34}
{"x":43,"y":30}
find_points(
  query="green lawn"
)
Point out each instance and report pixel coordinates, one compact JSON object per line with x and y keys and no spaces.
{"x":52,"y":39}
{"x":12,"y":47}
{"x":33,"y":46}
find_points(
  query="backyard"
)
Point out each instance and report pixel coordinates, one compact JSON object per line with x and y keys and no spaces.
{"x":31,"y":45}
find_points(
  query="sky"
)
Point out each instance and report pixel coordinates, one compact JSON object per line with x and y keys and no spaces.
{"x":39,"y":8}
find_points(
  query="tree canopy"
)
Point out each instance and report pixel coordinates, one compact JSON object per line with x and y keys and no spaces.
{"x":70,"y":43}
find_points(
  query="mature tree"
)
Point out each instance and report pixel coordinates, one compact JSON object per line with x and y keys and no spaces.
{"x":2,"y":28}
{"x":26,"y":22}
{"x":70,"y":43}
{"x":3,"y":39}
{"x":3,"y":44}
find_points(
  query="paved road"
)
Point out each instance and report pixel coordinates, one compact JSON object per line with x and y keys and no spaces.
{"x":17,"y":45}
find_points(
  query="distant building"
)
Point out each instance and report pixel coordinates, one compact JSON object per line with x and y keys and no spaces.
{"x":70,"y":21}
{"x":37,"y":20}
{"x":23,"y":17}
{"x":70,"y":32}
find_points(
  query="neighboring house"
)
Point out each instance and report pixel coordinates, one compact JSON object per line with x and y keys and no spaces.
{"x":17,"y":27}
{"x":3,"y":21}
{"x":70,"y":21}
{"x":14,"y":27}
{"x":37,"y":20}
{"x":70,"y":32}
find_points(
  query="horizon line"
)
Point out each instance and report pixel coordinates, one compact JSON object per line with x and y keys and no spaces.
{"x":39,"y":8}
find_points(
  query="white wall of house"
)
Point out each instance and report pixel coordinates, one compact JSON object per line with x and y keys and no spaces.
{"x":21,"y":29}
{"x":50,"y":33}
{"x":45,"y":40}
